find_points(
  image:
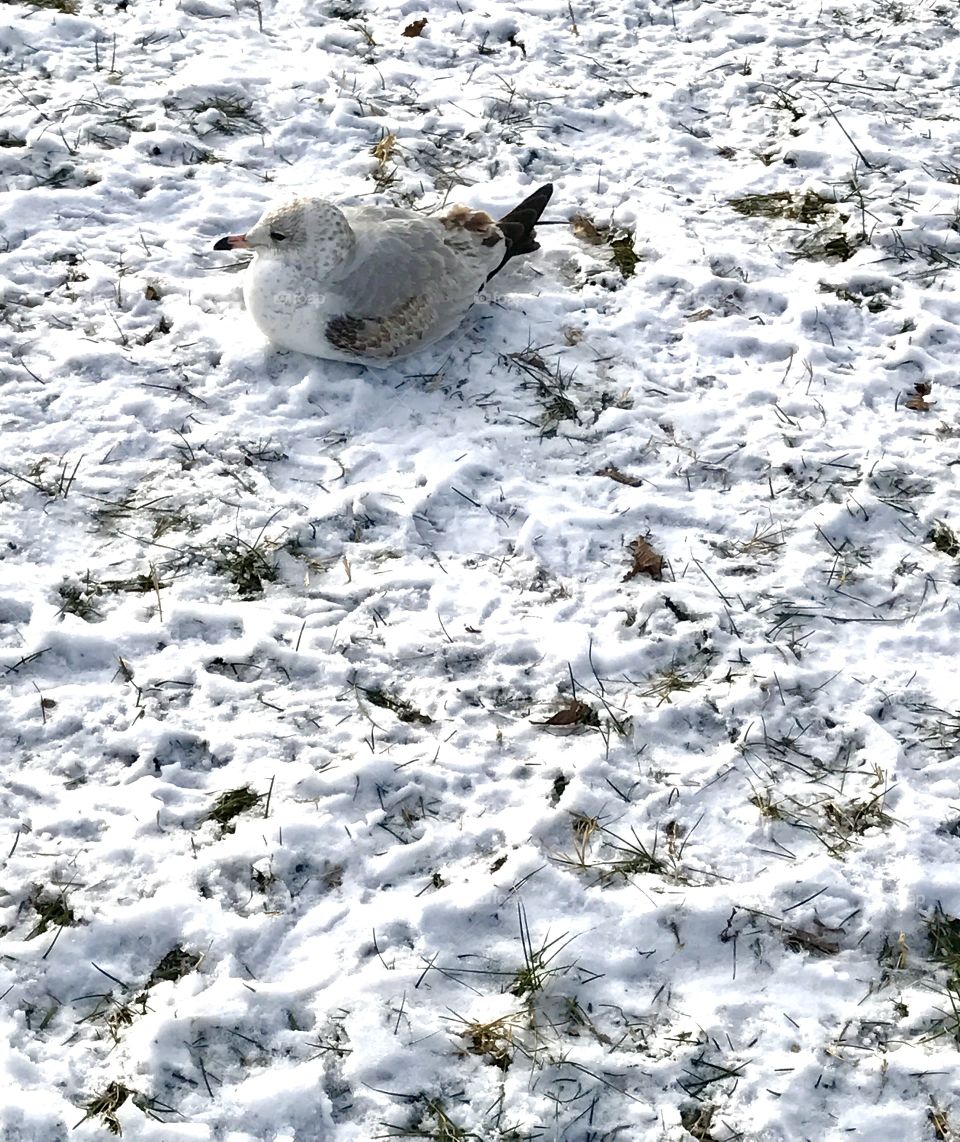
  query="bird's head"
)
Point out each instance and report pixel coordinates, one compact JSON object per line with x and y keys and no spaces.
{"x":307,"y":231}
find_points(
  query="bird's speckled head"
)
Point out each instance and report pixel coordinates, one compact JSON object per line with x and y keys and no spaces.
{"x":310,"y":231}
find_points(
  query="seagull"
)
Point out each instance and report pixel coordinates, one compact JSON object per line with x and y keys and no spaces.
{"x":371,"y":284}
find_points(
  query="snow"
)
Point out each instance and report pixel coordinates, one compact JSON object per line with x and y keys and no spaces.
{"x":295,"y":845}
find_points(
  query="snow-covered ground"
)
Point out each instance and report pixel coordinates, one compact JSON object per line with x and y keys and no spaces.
{"x":555,"y":737}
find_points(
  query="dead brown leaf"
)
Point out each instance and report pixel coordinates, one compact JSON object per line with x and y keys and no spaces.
{"x":575,"y":713}
{"x":584,"y":229}
{"x":917,"y":401}
{"x":646,"y":561}
{"x":383,"y":150}
{"x":614,"y":473}
{"x":415,"y":28}
{"x":803,"y":940}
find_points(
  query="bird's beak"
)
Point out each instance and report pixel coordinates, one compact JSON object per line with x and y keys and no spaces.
{"x":233,"y":242}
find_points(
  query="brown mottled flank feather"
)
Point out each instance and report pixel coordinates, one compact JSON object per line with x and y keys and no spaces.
{"x":475,"y":221}
{"x":381,"y":338}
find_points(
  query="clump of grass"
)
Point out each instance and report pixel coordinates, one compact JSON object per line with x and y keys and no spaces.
{"x":945,"y":172}
{"x":403,"y":710}
{"x":233,"y":115}
{"x":944,"y":539}
{"x":106,"y":1104}
{"x":429,"y":1120}
{"x":825,"y":245}
{"x":626,"y":857}
{"x":625,"y":257}
{"x":701,"y":1073}
{"x":495,"y":1040}
{"x":67,"y":7}
{"x":54,"y":484}
{"x":116,"y":1015}
{"x":404,"y":819}
{"x":538,"y":966}
{"x":512,"y":112}
{"x":808,"y":207}
{"x":764,"y":543}
{"x":942,"y":732}
{"x":262,"y":451}
{"x":948,"y":1022}
{"x":173,"y":966}
{"x":134,"y":584}
{"x":52,"y":909}
{"x":697,"y":1120}
{"x":816,"y":939}
{"x":836,"y":822}
{"x":619,"y":240}
{"x":943,"y":932}
{"x":876,"y":299}
{"x":847,"y":820}
{"x":672,"y":680}
{"x":160,"y":518}
{"x":230,"y":805}
{"x":613,"y":858}
{"x":79,"y":597}
{"x":247,"y":565}
{"x":551,"y":386}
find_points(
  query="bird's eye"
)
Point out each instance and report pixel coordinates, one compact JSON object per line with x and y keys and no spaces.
{"x":277,"y":236}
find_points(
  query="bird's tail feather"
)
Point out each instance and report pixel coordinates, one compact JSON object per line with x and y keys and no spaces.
{"x":517,"y":226}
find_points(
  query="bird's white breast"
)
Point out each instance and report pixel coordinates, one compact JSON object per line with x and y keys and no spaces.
{"x":289,"y":308}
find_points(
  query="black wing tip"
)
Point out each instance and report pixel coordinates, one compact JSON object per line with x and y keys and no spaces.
{"x":518,"y":225}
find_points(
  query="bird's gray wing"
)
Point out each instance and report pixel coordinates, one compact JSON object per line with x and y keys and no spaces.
{"x":400,"y":257}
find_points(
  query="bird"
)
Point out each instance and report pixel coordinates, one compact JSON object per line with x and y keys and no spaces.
{"x":372,"y":284}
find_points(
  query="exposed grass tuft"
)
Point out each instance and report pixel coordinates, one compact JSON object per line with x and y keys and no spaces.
{"x":79,"y":597}
{"x":551,"y":387}
{"x":944,"y":539}
{"x":619,"y":240}
{"x":106,"y":1104}
{"x":247,"y":565}
{"x":230,"y":805}
{"x":52,"y":909}
{"x":808,"y":207}
{"x":403,"y":710}
{"x":224,"y":115}
{"x":943,"y":932}
{"x":538,"y":961}
{"x":429,"y":1120}
{"x":67,"y":7}
{"x":174,"y":965}
{"x":494,"y":1040}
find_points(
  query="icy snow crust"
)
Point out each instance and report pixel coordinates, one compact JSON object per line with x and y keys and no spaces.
{"x":700,"y":909}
